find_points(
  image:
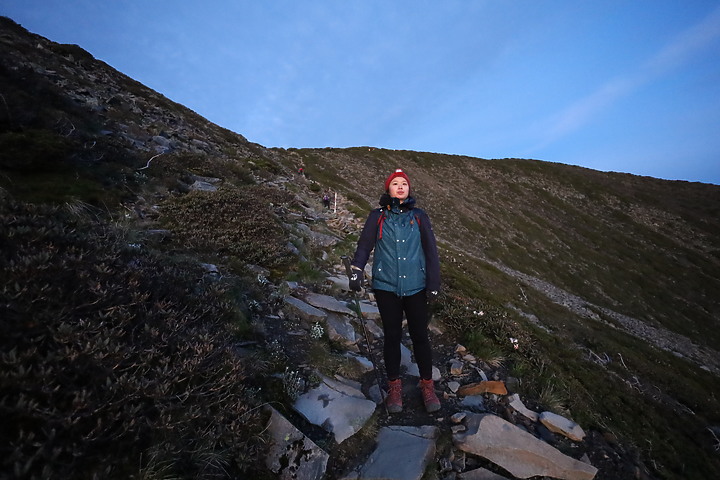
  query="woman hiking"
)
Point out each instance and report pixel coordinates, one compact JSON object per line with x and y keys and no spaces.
{"x":405,"y":278}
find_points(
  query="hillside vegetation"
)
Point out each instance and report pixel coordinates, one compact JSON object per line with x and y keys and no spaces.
{"x":120,"y":343}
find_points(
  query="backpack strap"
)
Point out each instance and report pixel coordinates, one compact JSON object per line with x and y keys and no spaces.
{"x":383,"y":214}
{"x":414,"y":217}
{"x":381,"y":220}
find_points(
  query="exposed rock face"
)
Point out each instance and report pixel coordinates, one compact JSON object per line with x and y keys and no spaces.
{"x":517,"y":451}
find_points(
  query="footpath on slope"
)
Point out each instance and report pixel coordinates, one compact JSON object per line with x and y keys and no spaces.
{"x":493,"y":434}
{"x":484,"y":422}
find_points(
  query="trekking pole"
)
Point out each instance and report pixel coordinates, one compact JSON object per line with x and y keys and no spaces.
{"x":358,"y":311}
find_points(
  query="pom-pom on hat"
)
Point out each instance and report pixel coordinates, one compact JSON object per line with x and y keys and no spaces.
{"x":397,"y":173}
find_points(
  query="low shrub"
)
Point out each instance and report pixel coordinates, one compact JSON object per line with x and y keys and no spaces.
{"x":234,"y":222}
{"x":116,"y":363}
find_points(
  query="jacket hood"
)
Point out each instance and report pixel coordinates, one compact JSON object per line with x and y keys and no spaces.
{"x":394,"y":204}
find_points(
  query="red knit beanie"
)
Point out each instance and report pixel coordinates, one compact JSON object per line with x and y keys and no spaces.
{"x":397,"y":173}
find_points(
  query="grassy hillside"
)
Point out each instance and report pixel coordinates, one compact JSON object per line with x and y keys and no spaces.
{"x":619,"y":275}
{"x":610,"y":281}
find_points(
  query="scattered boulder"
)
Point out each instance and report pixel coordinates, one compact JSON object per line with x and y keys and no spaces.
{"x":473,"y":402}
{"x":559,"y":424}
{"x":517,"y":451}
{"x":372,"y":328}
{"x":456,"y":367}
{"x":339,"y":408}
{"x":203,"y":186}
{"x":161,"y":141}
{"x":317,"y":239}
{"x":340,"y":282}
{"x":520,"y":407}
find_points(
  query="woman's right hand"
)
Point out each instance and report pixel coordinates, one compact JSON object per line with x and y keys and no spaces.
{"x":356,"y":278}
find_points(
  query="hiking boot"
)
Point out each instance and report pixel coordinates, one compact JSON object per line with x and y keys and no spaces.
{"x":394,"y":397}
{"x":427,"y":388}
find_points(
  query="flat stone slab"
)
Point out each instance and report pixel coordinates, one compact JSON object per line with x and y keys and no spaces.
{"x":326,"y":302}
{"x":304,"y":310}
{"x":339,"y":408}
{"x":369,"y":311}
{"x":518,"y":451}
{"x":402,"y":453}
{"x":485,"y":386}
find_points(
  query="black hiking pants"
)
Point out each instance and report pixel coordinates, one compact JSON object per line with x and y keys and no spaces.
{"x":415,"y":308}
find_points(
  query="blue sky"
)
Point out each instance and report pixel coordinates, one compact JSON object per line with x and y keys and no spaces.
{"x":629,"y":86}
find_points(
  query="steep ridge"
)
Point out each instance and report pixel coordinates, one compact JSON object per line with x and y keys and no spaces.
{"x":615,"y":247}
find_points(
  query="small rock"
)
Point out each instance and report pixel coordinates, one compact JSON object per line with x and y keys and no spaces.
{"x":520,"y":407}
{"x":456,"y":367}
{"x":473,"y":402}
{"x":559,"y":424}
{"x":458,"y":417}
{"x":496,"y":387}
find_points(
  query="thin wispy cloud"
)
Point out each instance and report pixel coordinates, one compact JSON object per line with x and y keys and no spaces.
{"x":671,"y":57}
{"x":686,"y":45}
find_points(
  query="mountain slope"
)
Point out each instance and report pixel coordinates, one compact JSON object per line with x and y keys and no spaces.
{"x":611,"y":281}
{"x":640,"y":247}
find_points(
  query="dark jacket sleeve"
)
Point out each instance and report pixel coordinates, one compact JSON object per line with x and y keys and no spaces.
{"x":432,"y":260}
{"x":366,"y":242}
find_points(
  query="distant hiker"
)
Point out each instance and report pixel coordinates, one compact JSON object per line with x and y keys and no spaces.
{"x":326,"y":201}
{"x":301,"y":171}
{"x":405,"y":277}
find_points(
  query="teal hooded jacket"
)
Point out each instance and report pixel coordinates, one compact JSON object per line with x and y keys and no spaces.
{"x":405,"y":259}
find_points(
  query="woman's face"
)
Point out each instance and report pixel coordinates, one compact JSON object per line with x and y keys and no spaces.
{"x":399,"y":188}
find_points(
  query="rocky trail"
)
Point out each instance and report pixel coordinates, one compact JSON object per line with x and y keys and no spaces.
{"x":338,"y":428}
